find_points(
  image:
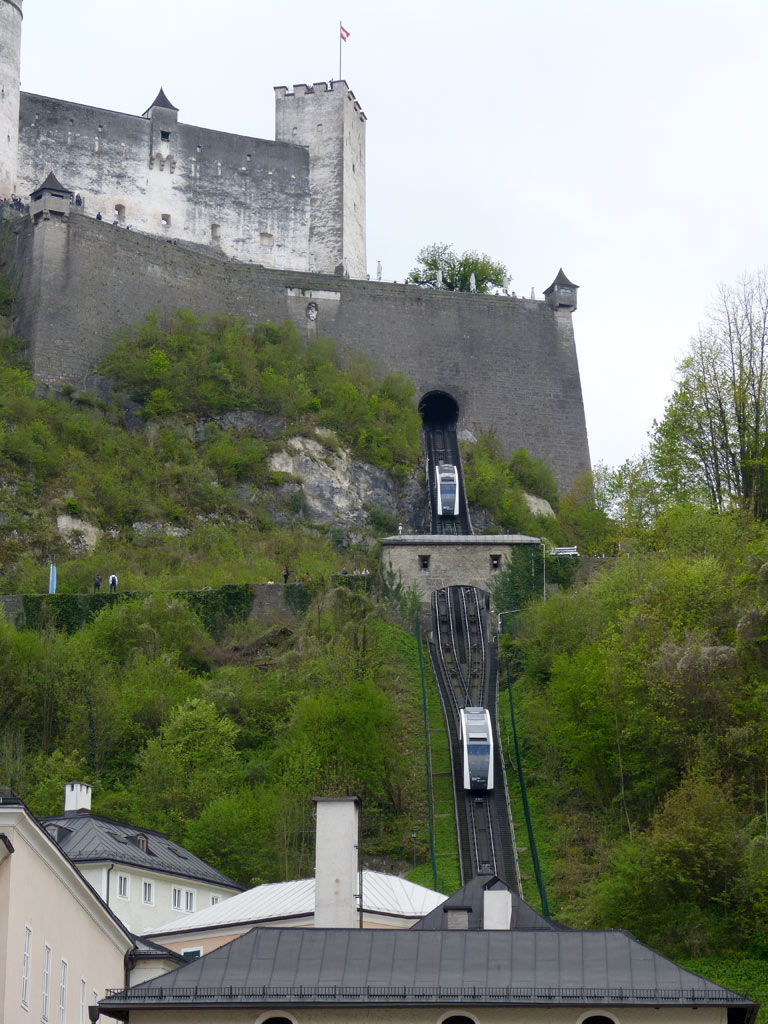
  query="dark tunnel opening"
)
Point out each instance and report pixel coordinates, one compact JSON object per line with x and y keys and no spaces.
{"x":438,"y":407}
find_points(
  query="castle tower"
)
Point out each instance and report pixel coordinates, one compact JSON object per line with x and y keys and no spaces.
{"x":10,"y":64}
{"x":327,"y":119}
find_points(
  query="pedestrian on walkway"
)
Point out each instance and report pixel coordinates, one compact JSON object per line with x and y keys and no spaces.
{"x":113,"y":584}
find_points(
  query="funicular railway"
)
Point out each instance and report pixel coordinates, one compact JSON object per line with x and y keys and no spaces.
{"x":464,"y":664}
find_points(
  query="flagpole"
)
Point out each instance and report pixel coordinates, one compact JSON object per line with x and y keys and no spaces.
{"x":340,"y":51}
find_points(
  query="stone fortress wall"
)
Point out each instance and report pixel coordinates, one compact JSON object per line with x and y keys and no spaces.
{"x":509,"y":363}
{"x":264,"y":230}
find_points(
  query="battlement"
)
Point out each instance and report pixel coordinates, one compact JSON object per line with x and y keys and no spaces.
{"x":319,"y":88}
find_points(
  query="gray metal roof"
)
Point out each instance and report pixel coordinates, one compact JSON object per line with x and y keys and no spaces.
{"x":470,"y":898}
{"x":90,"y":838}
{"x":289,"y":966}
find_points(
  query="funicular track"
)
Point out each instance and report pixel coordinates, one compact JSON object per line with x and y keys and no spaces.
{"x":443,"y":446}
{"x":464,"y":666}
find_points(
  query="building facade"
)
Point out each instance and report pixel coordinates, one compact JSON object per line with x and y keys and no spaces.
{"x":146,"y":879}
{"x":60,"y":946}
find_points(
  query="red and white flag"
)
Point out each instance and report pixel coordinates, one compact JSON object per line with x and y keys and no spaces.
{"x":344,"y":33}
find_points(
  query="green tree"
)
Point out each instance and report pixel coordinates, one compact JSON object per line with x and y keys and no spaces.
{"x":441,"y":258}
{"x":712,"y":443}
{"x":191,"y":761}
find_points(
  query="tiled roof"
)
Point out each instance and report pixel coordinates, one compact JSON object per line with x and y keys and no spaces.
{"x":296,"y":966}
{"x":90,"y":838}
{"x":382,"y":893}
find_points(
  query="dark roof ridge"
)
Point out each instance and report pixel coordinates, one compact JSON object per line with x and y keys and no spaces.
{"x":79,"y":815}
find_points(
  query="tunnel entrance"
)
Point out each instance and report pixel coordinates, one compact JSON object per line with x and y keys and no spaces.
{"x":438,"y":407}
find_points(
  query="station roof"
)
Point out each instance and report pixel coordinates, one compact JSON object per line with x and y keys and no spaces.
{"x":342,"y":967}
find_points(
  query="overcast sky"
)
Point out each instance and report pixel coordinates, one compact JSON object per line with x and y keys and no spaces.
{"x":626,"y":143}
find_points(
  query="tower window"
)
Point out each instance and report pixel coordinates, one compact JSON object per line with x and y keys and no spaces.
{"x":215,"y":232}
{"x":165,"y":136}
{"x":248,"y":157}
{"x":165,"y":220}
{"x":320,"y":127}
{"x":267,"y":239}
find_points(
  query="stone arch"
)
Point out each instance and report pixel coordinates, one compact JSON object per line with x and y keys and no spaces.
{"x":275,"y":1018}
{"x":458,"y":1018}
{"x":438,"y":407}
{"x":598,"y":1018}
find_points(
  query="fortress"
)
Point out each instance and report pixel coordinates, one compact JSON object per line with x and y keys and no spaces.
{"x":264,"y":230}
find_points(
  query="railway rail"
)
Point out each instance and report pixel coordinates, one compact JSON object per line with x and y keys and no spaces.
{"x":464,"y":666}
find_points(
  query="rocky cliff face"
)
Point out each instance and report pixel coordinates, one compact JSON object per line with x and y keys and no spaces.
{"x":337,"y":490}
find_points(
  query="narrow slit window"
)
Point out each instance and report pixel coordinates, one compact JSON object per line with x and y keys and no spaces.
{"x":165,"y":220}
{"x":495,"y":563}
{"x":424,"y":562}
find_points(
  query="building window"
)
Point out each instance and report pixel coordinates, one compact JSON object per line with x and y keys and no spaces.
{"x":119,"y":212}
{"x":165,"y":220}
{"x":46,"y":982}
{"x":424,"y":562}
{"x":495,"y":563}
{"x":214,"y":900}
{"x":63,"y":993}
{"x":265,"y":238}
{"x":193,"y":953}
{"x":176,"y":898}
{"x":189,"y":901}
{"x":147,"y":893}
{"x":83,"y":1002}
{"x":165,"y":136}
{"x":215,"y":232}
{"x":25,"y":967}
{"x":122,"y":887}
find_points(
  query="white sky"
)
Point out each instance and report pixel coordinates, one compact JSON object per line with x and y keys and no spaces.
{"x":626,"y":142}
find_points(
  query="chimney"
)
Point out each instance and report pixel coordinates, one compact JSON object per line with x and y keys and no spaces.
{"x":336,"y":862}
{"x":497,"y":909}
{"x":77,"y":798}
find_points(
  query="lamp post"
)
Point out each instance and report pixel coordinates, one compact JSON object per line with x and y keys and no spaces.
{"x":414,"y":836}
{"x":510,"y":611}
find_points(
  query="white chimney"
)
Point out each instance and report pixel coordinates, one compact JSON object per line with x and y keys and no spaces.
{"x":497,"y":909}
{"x":336,"y":862}
{"x":77,"y":797}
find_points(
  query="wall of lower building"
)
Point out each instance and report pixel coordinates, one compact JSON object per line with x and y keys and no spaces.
{"x":428,"y":564}
{"x":510,"y":363}
{"x":52,"y":906}
{"x":140,"y":916}
{"x":435,"y":1015}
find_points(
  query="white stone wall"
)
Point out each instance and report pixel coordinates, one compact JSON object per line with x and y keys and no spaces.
{"x":435,"y":1015}
{"x":138,"y":916}
{"x":327,"y":119}
{"x":10,"y":48}
{"x":246,"y":198}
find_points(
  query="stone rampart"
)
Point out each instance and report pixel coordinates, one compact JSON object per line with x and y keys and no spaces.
{"x":510,"y":363}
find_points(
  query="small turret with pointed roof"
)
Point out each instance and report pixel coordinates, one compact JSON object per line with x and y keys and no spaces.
{"x":161,"y":102}
{"x":561,"y":294}
{"x":50,"y":198}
